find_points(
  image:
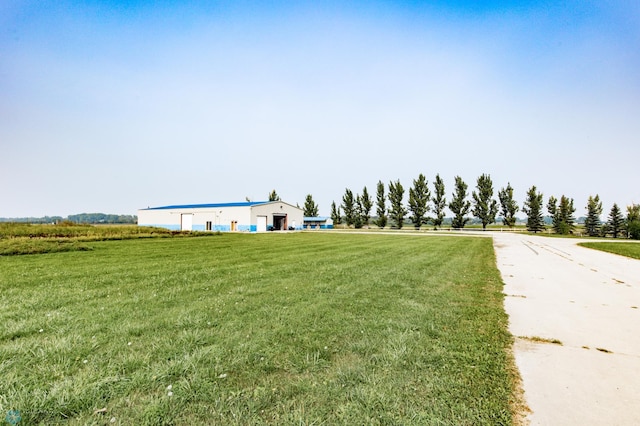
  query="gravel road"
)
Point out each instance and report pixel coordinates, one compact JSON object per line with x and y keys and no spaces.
{"x":587,"y":300}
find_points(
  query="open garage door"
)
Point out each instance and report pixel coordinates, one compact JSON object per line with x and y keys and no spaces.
{"x":280,"y":222}
{"x":186,"y":222}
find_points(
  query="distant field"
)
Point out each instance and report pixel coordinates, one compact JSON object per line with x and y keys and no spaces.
{"x":24,"y":238}
{"x":623,"y":248}
{"x":295,"y":328}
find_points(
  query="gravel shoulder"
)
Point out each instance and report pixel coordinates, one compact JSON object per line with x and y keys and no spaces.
{"x":588,"y":303}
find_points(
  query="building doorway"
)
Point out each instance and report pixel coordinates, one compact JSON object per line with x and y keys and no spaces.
{"x":262,"y":224}
{"x":186,"y":222}
{"x":279,"y":222}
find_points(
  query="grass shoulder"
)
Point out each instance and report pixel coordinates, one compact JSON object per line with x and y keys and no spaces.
{"x":624,"y":248}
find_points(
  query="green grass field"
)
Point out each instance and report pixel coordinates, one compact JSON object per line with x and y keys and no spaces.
{"x":623,"y":248}
{"x":302,"y":328}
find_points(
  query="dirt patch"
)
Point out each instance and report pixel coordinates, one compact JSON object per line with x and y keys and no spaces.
{"x":537,"y":339}
{"x":518,"y":403}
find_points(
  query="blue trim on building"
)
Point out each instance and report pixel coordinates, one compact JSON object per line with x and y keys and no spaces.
{"x":317,"y":226}
{"x":317,"y":222}
{"x":202,"y":228}
{"x":211,"y":206}
{"x":222,"y":228}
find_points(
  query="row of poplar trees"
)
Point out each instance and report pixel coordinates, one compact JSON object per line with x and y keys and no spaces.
{"x":355,"y":209}
{"x":428,"y":208}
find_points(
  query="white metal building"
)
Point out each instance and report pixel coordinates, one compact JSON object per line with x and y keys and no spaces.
{"x":252,"y":216}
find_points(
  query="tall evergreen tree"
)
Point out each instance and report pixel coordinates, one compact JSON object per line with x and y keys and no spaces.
{"x":552,"y":209}
{"x":349,"y":207}
{"x":562,"y":214}
{"x":439,"y":201}
{"x":366,"y":204}
{"x":616,"y":221}
{"x":567,"y":211}
{"x":310,"y":207}
{"x":508,"y":206}
{"x":594,"y":209}
{"x":335,"y":214}
{"x":397,"y":211}
{"x":533,"y":209}
{"x":459,"y":205}
{"x":485,"y":207}
{"x":273,"y":196}
{"x":419,"y":196}
{"x":381,"y":206}
{"x":358,"y":215}
{"x":633,"y":221}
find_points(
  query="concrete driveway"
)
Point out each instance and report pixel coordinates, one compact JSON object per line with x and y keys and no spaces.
{"x":590,"y":302}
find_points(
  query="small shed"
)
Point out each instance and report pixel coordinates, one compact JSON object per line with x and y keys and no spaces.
{"x":250,"y":216}
{"x":318,"y":222}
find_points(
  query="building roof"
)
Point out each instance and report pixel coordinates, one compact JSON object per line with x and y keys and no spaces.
{"x":316,"y":218}
{"x":208,"y":206}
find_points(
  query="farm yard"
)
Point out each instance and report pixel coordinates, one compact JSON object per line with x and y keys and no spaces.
{"x":257,"y":329}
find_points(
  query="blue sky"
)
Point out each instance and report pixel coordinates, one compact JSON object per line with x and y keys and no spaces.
{"x":111,"y":106}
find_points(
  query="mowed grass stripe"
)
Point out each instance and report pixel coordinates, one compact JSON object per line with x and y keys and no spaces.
{"x":257,"y":329}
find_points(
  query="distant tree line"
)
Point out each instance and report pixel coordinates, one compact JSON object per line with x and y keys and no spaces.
{"x":89,"y":218}
{"x":102,"y":218}
{"x":563,"y":220}
{"x":44,"y":219}
{"x":425,"y":207}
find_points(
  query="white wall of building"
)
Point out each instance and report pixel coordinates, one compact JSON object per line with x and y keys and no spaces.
{"x":248,"y":217}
